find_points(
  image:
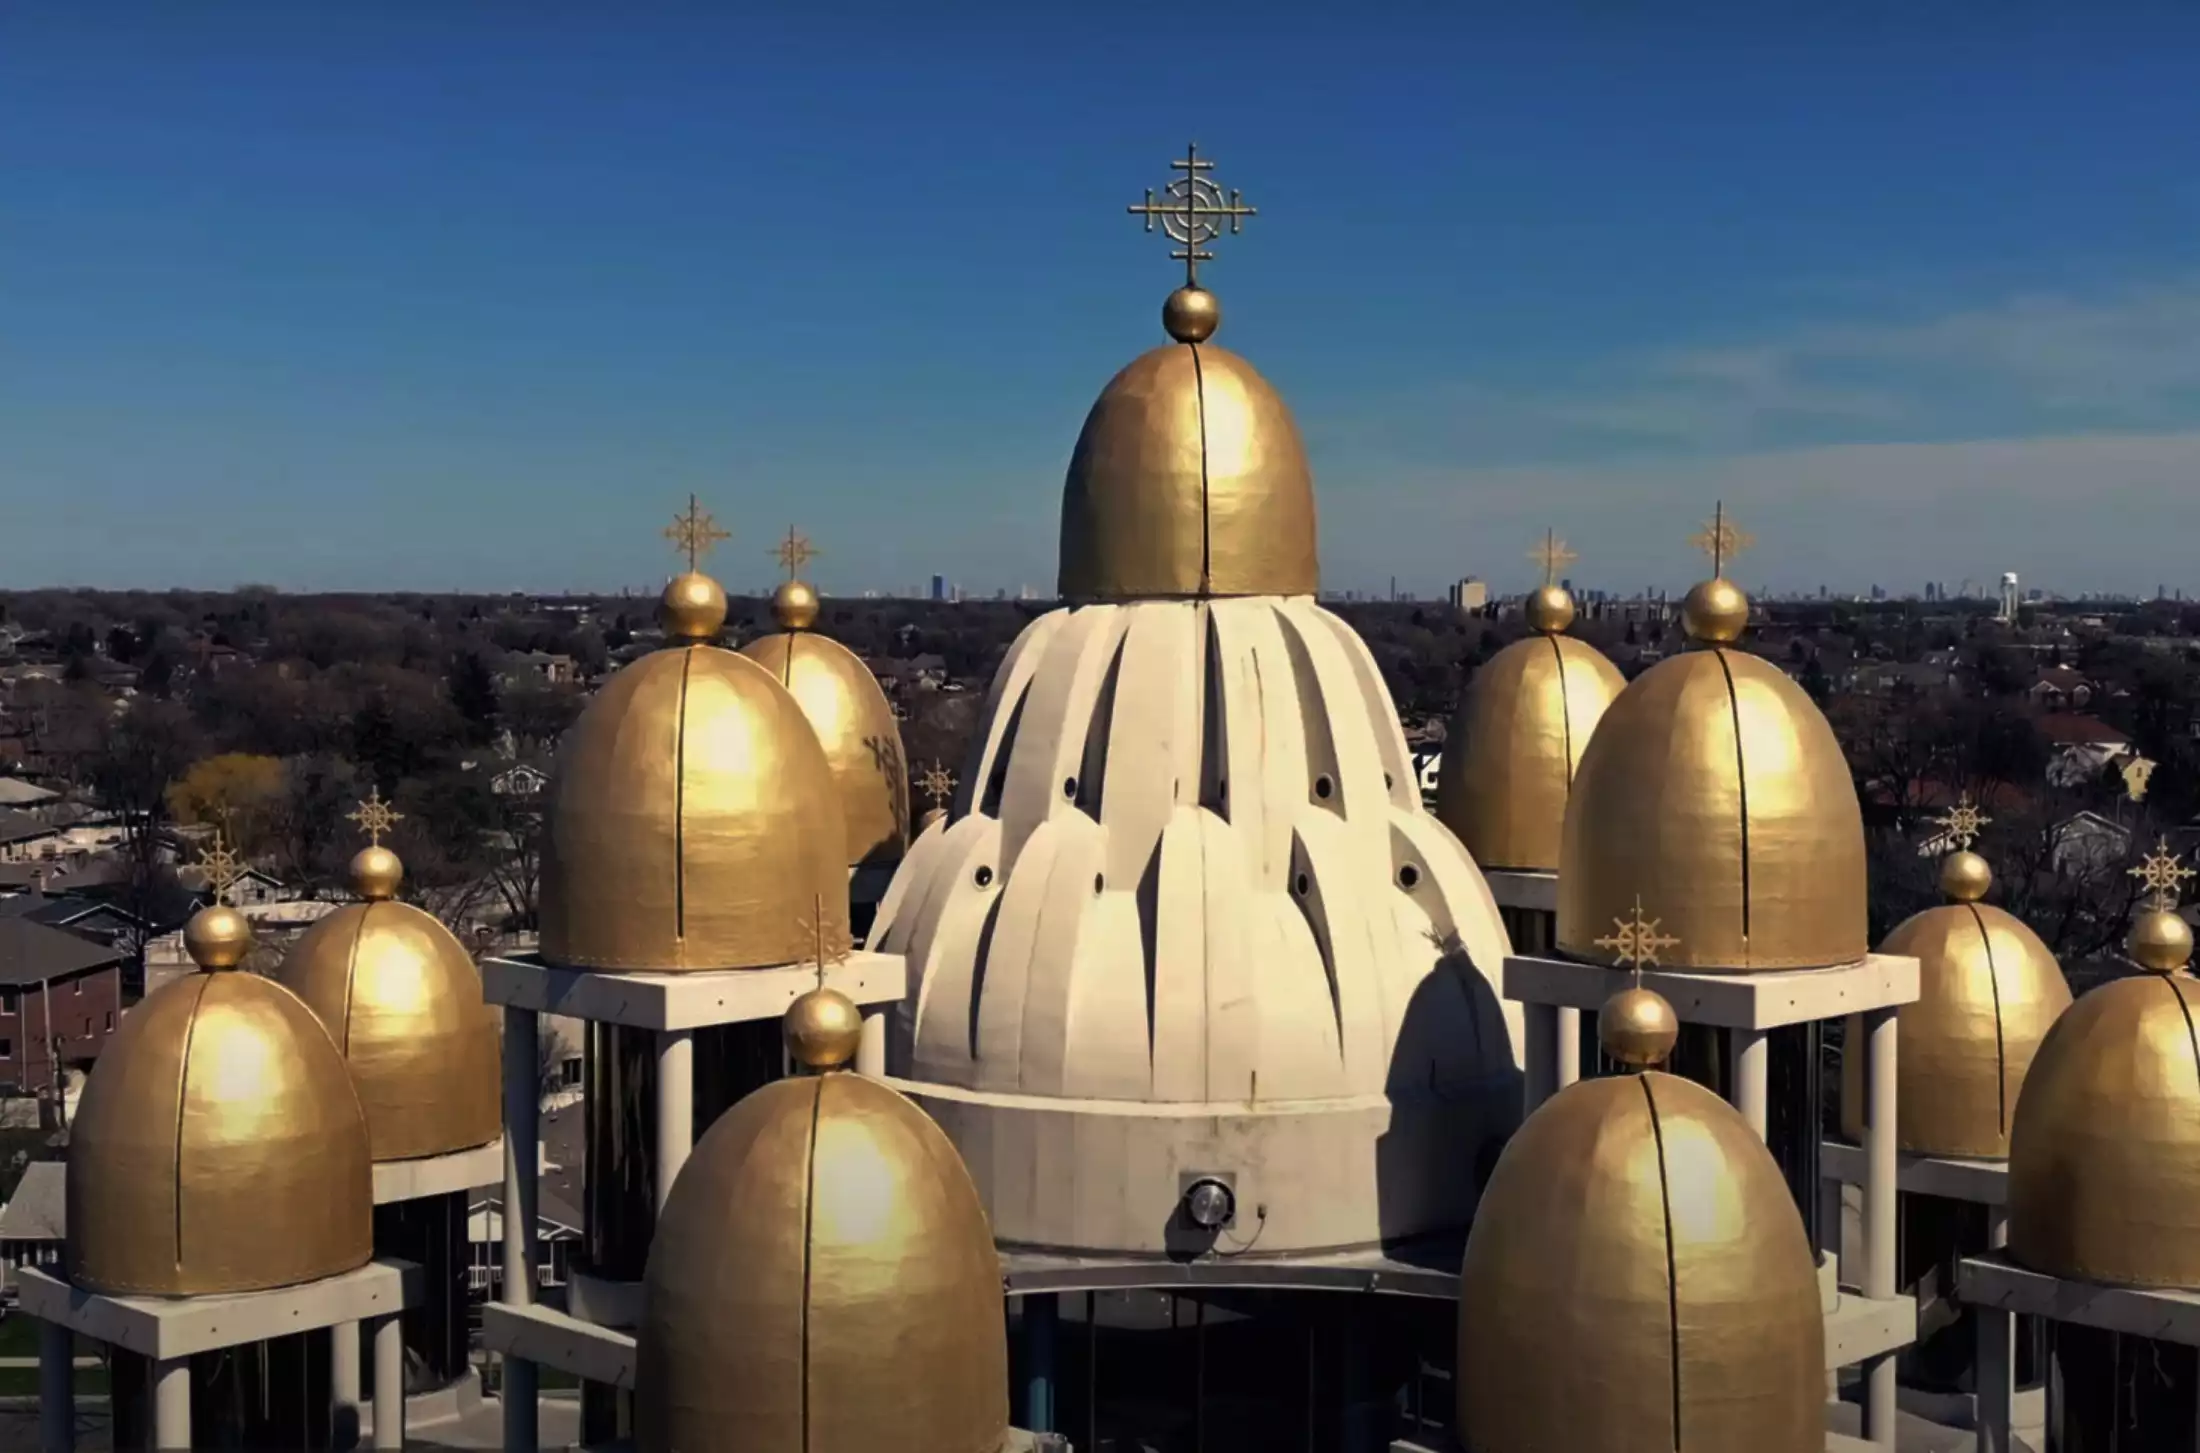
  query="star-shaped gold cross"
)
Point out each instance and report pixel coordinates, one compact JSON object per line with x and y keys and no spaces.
{"x":794,"y":552}
{"x":1552,"y":556}
{"x":1721,"y":539}
{"x":695,"y":533}
{"x":221,"y":865}
{"x":2162,"y":873}
{"x":1960,"y":824}
{"x":1635,"y":941}
{"x":375,"y":817}
{"x":937,"y":783}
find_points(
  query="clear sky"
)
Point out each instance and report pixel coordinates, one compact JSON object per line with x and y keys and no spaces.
{"x":425,"y":295}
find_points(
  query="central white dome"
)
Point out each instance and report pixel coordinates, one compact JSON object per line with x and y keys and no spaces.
{"x":1188,"y":917}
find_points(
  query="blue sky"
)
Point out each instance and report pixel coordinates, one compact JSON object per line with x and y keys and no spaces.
{"x":413,"y":295}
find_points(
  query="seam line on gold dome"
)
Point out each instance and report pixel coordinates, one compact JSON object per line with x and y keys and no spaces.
{"x":1741,"y":786}
{"x":1672,"y":1262}
{"x":2192,"y":1038}
{"x":1565,"y":711}
{"x":351,"y":973}
{"x":1206,"y":522}
{"x":679,"y":806}
{"x":809,"y":1245}
{"x":183,"y":1094}
{"x":2001,"y":1050}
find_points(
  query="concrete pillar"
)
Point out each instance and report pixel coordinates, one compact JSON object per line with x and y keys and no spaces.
{"x":1540,"y":1078}
{"x":343,"y":1381}
{"x":1751,"y":1053}
{"x":1879,"y":1211}
{"x":522,"y":1146}
{"x":675,"y":1106}
{"x":1042,"y":1316}
{"x":1997,"y":1377}
{"x":871,"y":1052}
{"x":56,"y":1388}
{"x":389,"y":1382}
{"x":172,"y":1403}
{"x":1567,"y":1064}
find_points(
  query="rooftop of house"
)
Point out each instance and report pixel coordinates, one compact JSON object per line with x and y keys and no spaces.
{"x":33,"y":953}
{"x":38,"y":1211}
{"x":17,"y":826}
{"x":2069,"y":729}
{"x":15,"y":792}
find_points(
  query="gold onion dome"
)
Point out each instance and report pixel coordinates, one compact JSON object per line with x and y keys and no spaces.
{"x":2104,"y":1158}
{"x":823,"y":1278}
{"x":1637,"y":1278}
{"x":1988,"y":992}
{"x":848,"y":710}
{"x":1189,"y":478}
{"x":1714,"y":786}
{"x":689,"y":824}
{"x":402,"y":999}
{"x":1517,"y":738}
{"x":219,"y":1146}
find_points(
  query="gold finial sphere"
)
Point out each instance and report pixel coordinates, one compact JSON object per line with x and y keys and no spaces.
{"x":794,"y":605}
{"x":1549,"y":609}
{"x":823,"y":1028}
{"x":217,"y":937}
{"x":376,"y":873}
{"x":1715,"y":612}
{"x":2160,"y":941}
{"x":1965,"y":876}
{"x":1638,"y":1028}
{"x":1191,"y":315}
{"x":693,"y":607}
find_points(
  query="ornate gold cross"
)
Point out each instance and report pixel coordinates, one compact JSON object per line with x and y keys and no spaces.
{"x":794,"y":552}
{"x":221,"y":866}
{"x":1635,"y":941}
{"x":1553,"y":556}
{"x":375,"y":817}
{"x":2163,"y":875}
{"x":1960,"y":824}
{"x":1721,"y":539}
{"x":1192,"y":212}
{"x":695,"y":533}
{"x":937,"y":783}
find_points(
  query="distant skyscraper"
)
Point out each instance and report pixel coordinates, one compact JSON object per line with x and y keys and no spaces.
{"x":1469,"y":594}
{"x":939,"y":587}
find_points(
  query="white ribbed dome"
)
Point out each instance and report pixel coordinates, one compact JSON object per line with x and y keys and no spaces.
{"x":1189,"y":913}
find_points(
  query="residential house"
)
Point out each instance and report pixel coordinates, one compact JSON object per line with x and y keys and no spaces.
{"x":519,"y":780}
{"x":25,"y":796}
{"x":2061,"y":689}
{"x":546,"y":668}
{"x":2087,"y":843}
{"x":34,"y":1222}
{"x":59,"y":998}
{"x":24,"y":837}
{"x":2081,"y":748}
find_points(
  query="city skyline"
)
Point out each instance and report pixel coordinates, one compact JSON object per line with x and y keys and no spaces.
{"x":409,"y":299}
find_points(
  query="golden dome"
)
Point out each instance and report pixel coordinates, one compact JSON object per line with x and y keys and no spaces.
{"x":1637,"y":1262}
{"x":1514,"y":745}
{"x":1188,"y":480}
{"x":1714,"y":788}
{"x":2104,"y":1156}
{"x":1988,"y":992}
{"x":685,"y":828}
{"x":822,"y":1278}
{"x":219,"y":1146}
{"x":855,"y":723}
{"x":402,"y":999}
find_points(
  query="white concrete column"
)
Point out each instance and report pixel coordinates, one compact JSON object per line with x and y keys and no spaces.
{"x":1879,"y":1211}
{"x":675,"y":1106}
{"x":56,"y":1388}
{"x":343,"y":1368}
{"x":522,"y":1154}
{"x":1539,"y":1080}
{"x":172,"y":1403}
{"x":871,"y":1052}
{"x":1567,"y":1062}
{"x":1997,"y":1378}
{"x":389,"y":1382}
{"x":1751,"y":1055}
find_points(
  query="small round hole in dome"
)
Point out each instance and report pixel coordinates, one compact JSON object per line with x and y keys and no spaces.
{"x":1323,"y":787}
{"x":1408,"y":875}
{"x":983,"y":877}
{"x":1300,"y":885}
